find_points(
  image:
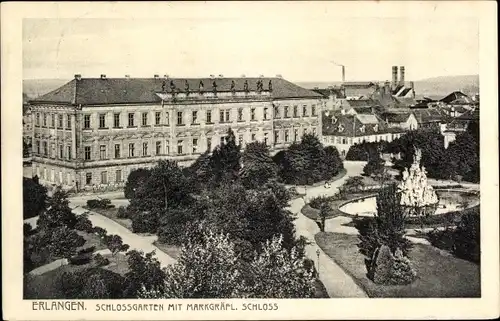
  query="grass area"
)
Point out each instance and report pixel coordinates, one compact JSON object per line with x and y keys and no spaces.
{"x":91,"y":240}
{"x":321,"y":292}
{"x":111,"y":213}
{"x":174,"y":251}
{"x":48,"y":285}
{"x":440,"y":275}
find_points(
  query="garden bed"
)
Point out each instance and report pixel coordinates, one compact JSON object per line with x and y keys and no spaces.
{"x":112,"y":213}
{"x":313,"y":213}
{"x":439,"y":275}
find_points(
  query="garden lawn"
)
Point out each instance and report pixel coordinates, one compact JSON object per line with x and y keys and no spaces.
{"x":91,"y":240}
{"x":48,"y":285}
{"x":439,"y":274}
{"x":111,"y":213}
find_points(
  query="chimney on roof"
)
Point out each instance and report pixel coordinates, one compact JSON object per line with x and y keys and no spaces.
{"x":157,"y":76}
{"x":402,"y":75}
{"x":221,"y":76}
{"x":165,"y":76}
{"x":394,"y":76}
{"x":127,"y":76}
{"x":243,"y":76}
{"x":103,"y":76}
{"x":212,"y":76}
{"x":78,"y":77}
{"x":343,"y":74}
{"x":387,"y":87}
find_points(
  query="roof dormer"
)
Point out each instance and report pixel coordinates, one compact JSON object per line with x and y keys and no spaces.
{"x":341,"y":128}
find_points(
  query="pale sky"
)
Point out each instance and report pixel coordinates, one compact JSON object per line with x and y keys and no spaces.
{"x":299,"y":47}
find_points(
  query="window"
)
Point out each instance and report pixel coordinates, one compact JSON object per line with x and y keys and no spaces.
{"x":240,"y":114}
{"x":221,"y":116}
{"x":37,"y":119}
{"x":276,"y":136}
{"x":44,"y":120}
{"x":228,"y":115}
{"x":167,"y":119}
{"x":52,"y":120}
{"x":179,"y":147}
{"x":304,"y":110}
{"x":53,"y":152}
{"x":195,"y":145}
{"x":144,"y":149}
{"x":144,"y":119}
{"x":222,"y":140}
{"x":276,"y":112}
{"x":344,"y":141}
{"x":265,"y":138}
{"x":157,"y":118}
{"x":60,"y":121}
{"x":118,"y":176}
{"x":286,"y":135}
{"x":295,"y":135}
{"x":265,"y":113}
{"x":131,"y":119}
{"x":240,"y":140}
{"x":131,"y":150}
{"x":253,"y":137}
{"x":102,"y":152}
{"x":286,"y":112}
{"x":209,"y":143}
{"x":37,"y":146}
{"x":88,"y":178}
{"x":179,"y":118}
{"x":68,"y":121}
{"x":86,"y":121}
{"x":158,"y":148}
{"x":116,"y":120}
{"x":194,"y":117}
{"x":313,"y":110}
{"x":104,"y":177}
{"x":167,"y":147}
{"x":209,"y":116}
{"x":117,"y":151}
{"x":295,"y":111}
{"x":314,"y":131}
{"x":252,"y":114}
{"x":87,"y":152}
{"x":61,"y":151}
{"x":68,"y":148}
{"x":102,"y":120}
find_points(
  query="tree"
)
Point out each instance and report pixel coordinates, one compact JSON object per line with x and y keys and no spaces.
{"x":204,"y":270}
{"x":84,"y":224}
{"x":115,"y":244}
{"x":354,"y":183}
{"x":144,"y":272}
{"x":63,"y":242}
{"x":462,"y":157}
{"x":58,"y":214}
{"x":280,"y":273}
{"x":135,"y":179}
{"x":225,"y":160}
{"x":92,"y":283}
{"x":324,"y":211}
{"x":34,"y":197}
{"x":257,"y":166}
{"x":374,"y":167}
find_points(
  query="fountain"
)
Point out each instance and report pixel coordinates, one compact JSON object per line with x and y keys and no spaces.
{"x":418,"y":198}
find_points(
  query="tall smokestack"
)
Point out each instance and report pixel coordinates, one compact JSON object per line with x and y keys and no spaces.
{"x":402,"y":75}
{"x":394,"y":76}
{"x":343,"y":74}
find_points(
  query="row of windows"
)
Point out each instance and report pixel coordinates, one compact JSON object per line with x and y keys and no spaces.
{"x":285,"y":135}
{"x":42,"y":148}
{"x":42,"y":119}
{"x":295,"y":109}
{"x":350,"y":141}
{"x":104,"y":177}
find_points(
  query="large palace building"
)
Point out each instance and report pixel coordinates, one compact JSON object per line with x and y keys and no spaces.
{"x":93,"y":131}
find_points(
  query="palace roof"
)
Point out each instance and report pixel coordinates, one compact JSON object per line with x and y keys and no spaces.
{"x":98,"y":91}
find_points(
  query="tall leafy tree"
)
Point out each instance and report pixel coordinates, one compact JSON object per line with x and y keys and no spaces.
{"x":135,"y":179}
{"x":257,"y":166}
{"x":225,"y":160}
{"x":145,"y":272}
{"x":34,"y":197}
{"x":59,"y":213}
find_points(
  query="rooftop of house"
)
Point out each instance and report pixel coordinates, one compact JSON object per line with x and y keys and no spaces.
{"x":395,"y":117}
{"x":97,"y":91}
{"x":359,"y":84}
{"x":431,"y":115}
{"x":325,"y":92}
{"x":335,"y":124}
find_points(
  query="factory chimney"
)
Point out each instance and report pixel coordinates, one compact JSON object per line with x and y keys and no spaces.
{"x":343,"y":74}
{"x":394,"y":77}
{"x":402,"y":75}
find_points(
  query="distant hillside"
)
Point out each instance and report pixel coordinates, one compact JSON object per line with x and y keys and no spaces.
{"x":34,"y":88}
{"x":437,"y":86}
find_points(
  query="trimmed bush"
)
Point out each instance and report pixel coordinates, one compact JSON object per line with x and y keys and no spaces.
{"x":100,"y":260}
{"x":383,"y":265}
{"x":467,"y":237}
{"x":122,"y":212}
{"x":90,"y":249}
{"x":80,"y":259}
{"x":99,"y":203}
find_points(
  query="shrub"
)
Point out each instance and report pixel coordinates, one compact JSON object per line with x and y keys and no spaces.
{"x":83,"y":224}
{"x":122,"y":212}
{"x":100,"y":260}
{"x":80,"y":259}
{"x":85,"y":250}
{"x":402,"y":271}
{"x":318,"y":201}
{"x":99,"y":203}
{"x":392,"y":269}
{"x":145,"y":222}
{"x":383,"y":265}
{"x":101,"y":232}
{"x":467,"y":237}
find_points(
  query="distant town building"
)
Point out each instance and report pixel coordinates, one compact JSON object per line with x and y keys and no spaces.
{"x":343,"y":130}
{"x":94,"y":131}
{"x":396,"y":119}
{"x":459,"y":125}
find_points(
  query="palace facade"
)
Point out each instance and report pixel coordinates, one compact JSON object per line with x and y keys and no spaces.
{"x":93,"y":131}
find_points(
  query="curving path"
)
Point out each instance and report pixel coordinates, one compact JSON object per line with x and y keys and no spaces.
{"x":336,"y":281}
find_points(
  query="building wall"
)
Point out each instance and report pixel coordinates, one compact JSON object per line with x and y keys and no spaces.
{"x":101,"y":139}
{"x":344,"y":143}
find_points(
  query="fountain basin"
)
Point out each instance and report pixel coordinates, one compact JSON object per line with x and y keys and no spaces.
{"x":449,"y":201}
